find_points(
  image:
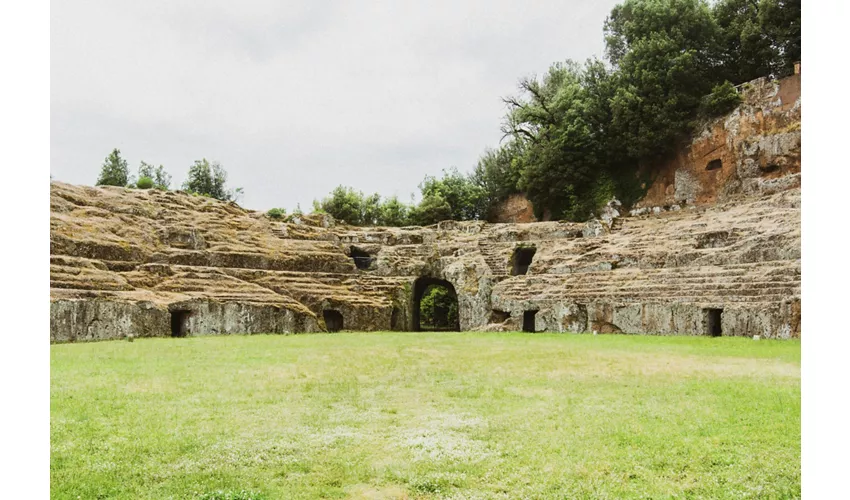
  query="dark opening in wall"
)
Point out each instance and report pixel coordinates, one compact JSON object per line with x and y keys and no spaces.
{"x":713,"y":323}
{"x":333,"y":320}
{"x":435,"y":306}
{"x":528,"y":321}
{"x":714,"y":165}
{"x":498,"y":316}
{"x":768,"y":169}
{"x":521,"y":260}
{"x":362,"y":259}
{"x":180,"y":323}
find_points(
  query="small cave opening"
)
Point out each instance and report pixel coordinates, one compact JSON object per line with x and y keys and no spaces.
{"x":769,"y":169}
{"x":180,"y":323}
{"x":714,"y":164}
{"x":362,"y":259}
{"x":498,"y":316}
{"x":528,"y":321}
{"x":333,"y":320}
{"x":521,"y":260}
{"x":435,"y":306}
{"x":713,"y":324}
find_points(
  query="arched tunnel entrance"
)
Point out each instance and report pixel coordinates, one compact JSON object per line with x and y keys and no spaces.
{"x":435,"y":306}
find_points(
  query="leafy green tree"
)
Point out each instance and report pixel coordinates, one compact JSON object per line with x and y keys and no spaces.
{"x":722,"y":99}
{"x":499,"y":171}
{"x":370,"y":209}
{"x":664,"y":52}
{"x":438,"y":308}
{"x":160,"y":178}
{"x":466,"y":199}
{"x":210,"y":179}
{"x":344,"y":204}
{"x":393,"y":212}
{"x":114,"y":171}
{"x":432,"y":209}
{"x":780,"y":19}
{"x":758,"y":38}
{"x":563,"y":148}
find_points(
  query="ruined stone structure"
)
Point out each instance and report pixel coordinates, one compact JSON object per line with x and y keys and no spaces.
{"x":713,"y":249}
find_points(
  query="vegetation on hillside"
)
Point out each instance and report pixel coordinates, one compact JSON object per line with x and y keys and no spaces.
{"x":210,"y":179}
{"x":203,"y":179}
{"x":579,"y":134}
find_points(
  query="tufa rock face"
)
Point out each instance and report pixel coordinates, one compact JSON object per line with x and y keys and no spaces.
{"x":752,"y":151}
{"x":148,"y":263}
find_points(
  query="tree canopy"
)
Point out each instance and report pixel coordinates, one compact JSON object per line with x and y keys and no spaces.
{"x":210,"y":179}
{"x":157,"y":177}
{"x":114,"y":171}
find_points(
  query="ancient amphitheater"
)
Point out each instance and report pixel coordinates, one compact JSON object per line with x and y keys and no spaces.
{"x":713,"y":249}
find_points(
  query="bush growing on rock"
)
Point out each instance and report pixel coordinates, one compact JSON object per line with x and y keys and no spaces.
{"x":276,"y":213}
{"x":160,"y":178}
{"x":144,"y":182}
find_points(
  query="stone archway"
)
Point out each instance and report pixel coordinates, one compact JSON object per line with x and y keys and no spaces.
{"x":420,"y":287}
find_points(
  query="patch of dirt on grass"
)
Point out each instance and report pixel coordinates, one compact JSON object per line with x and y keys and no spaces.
{"x":369,"y":492}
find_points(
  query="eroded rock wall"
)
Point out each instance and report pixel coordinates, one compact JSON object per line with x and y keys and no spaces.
{"x":752,"y":151}
{"x":129,"y":262}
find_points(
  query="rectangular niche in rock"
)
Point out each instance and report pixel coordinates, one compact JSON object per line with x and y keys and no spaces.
{"x":498,"y":316}
{"x":713,"y":322}
{"x":333,"y":320}
{"x":180,"y":323}
{"x":528,"y":321}
{"x":362,"y":259}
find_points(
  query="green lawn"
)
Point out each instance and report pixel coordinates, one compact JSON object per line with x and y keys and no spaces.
{"x":426,"y":415}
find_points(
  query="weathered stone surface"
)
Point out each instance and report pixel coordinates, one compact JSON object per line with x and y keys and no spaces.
{"x":757,"y":146}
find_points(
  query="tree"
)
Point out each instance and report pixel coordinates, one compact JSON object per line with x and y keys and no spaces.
{"x":114,"y":171}
{"x":160,"y":179}
{"x":438,"y":308}
{"x":498,"y":172}
{"x":210,"y":179}
{"x":780,"y":19}
{"x":563,"y":147}
{"x":466,"y":199}
{"x":344,"y":204}
{"x":432,"y":209}
{"x":758,"y":37}
{"x":370,"y":209}
{"x":393,"y":212}
{"x":665,"y":54}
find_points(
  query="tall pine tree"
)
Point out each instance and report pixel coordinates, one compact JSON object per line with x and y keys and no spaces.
{"x":114,"y":171}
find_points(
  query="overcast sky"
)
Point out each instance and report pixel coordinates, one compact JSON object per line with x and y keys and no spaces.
{"x":295,"y":98}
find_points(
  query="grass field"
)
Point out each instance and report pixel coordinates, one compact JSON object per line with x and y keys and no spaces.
{"x":426,"y":415}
